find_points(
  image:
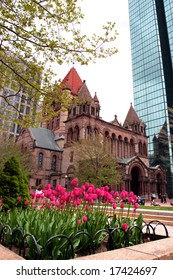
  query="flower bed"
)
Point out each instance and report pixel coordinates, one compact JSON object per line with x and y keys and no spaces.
{"x":60,"y":225}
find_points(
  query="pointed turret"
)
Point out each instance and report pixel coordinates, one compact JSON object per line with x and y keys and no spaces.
{"x":72,"y":81}
{"x":83,"y":93}
{"x":131,"y":117}
{"x":133,"y":122}
{"x":95,"y":99}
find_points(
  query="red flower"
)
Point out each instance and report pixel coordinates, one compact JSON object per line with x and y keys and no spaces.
{"x":136,"y":205}
{"x":19,"y":198}
{"x":74,"y":182}
{"x":84,"y":219}
{"x":87,"y":207}
{"x":123,"y":194}
{"x":26,"y":202}
{"x":114,"y":205}
{"x":79,"y":221}
{"x":0,"y":202}
{"x":125,"y":226}
{"x":121,"y":205}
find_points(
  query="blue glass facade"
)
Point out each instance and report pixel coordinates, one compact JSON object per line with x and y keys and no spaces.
{"x":151,"y":29}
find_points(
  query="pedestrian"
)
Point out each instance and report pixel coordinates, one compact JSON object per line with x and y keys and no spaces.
{"x":39,"y":189}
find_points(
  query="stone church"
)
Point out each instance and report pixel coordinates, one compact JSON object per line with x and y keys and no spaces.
{"x":53,"y":156}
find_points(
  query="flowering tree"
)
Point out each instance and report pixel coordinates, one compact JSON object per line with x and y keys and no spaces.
{"x":34,"y":34}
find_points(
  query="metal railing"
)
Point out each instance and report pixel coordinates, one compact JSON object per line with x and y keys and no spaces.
{"x":64,"y":247}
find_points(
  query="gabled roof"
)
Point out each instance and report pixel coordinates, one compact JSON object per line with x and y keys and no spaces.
{"x":126,"y":160}
{"x":83,"y":93}
{"x":44,"y":138}
{"x":131,"y":117}
{"x":72,"y":81}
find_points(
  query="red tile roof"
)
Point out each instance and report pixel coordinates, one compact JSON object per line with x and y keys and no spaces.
{"x":72,"y":81}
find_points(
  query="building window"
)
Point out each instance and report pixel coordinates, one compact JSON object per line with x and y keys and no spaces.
{"x":92,"y":111}
{"x":38,"y":182}
{"x":58,"y":123}
{"x":140,"y":148}
{"x":27,"y":110}
{"x":132,"y":148}
{"x":76,"y":134}
{"x":54,"y":184}
{"x":74,"y":111}
{"x":54,"y":162}
{"x":120,"y":147}
{"x":70,"y":135}
{"x":71,"y":156}
{"x":40,"y":160}
{"x":125,"y":147}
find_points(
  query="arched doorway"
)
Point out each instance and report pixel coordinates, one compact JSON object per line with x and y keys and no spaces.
{"x":135,"y":184}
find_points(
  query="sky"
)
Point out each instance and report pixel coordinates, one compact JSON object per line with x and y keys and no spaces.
{"x":110,"y":78}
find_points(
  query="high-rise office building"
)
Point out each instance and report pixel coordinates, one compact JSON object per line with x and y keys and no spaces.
{"x":151,"y":29}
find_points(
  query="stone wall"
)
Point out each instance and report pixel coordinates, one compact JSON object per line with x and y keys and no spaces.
{"x":155,"y":250}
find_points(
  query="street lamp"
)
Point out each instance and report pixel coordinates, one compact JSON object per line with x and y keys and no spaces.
{"x":66,"y":181}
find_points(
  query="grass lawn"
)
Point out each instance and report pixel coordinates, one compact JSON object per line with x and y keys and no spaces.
{"x":161,"y":208}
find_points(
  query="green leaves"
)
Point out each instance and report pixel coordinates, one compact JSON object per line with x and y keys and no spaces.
{"x":35,"y":34}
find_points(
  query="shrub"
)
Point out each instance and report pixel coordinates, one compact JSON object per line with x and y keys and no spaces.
{"x":13,"y":185}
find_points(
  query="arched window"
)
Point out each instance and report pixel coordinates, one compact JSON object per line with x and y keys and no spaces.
{"x":40,"y":160}
{"x":140,"y":148}
{"x":54,"y":162}
{"x":69,"y":135}
{"x":113,"y":144}
{"x":145,"y":149}
{"x":119,"y":146}
{"x":107,"y":141}
{"x":76,"y":134}
{"x":132,"y":148}
{"x":126,"y":147}
{"x":88,"y":132}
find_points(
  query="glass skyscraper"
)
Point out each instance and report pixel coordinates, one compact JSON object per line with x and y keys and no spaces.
{"x":151,"y":30}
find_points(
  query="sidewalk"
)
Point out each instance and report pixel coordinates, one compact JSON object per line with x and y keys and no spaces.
{"x":167,"y":203}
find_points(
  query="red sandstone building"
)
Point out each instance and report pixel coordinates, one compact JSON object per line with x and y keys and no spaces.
{"x":51,"y":149}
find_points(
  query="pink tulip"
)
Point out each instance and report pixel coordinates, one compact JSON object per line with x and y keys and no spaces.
{"x":125,"y":226}
{"x":19,"y":198}
{"x":136,"y":205}
{"x":114,"y":205}
{"x":121,"y":205}
{"x":26,"y":202}
{"x":84,"y":219}
{"x":74,"y":182}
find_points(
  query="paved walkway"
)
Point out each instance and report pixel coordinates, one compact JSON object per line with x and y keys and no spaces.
{"x":167,"y":204}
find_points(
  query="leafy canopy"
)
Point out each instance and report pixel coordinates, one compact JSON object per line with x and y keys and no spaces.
{"x":36,"y":33}
{"x":95,"y":163}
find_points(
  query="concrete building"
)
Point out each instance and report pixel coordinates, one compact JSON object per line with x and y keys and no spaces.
{"x":10,"y":129}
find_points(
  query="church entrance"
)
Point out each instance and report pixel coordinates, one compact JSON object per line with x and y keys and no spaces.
{"x":135,"y":183}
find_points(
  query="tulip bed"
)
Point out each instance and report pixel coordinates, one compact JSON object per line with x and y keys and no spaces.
{"x":70,"y":213}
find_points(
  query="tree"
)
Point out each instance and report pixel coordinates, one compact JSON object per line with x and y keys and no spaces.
{"x":36,"y":33}
{"x":9,"y":149}
{"x":94,"y":163}
{"x":13,"y":185}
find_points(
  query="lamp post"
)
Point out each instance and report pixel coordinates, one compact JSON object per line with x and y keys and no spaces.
{"x":66,"y":177}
